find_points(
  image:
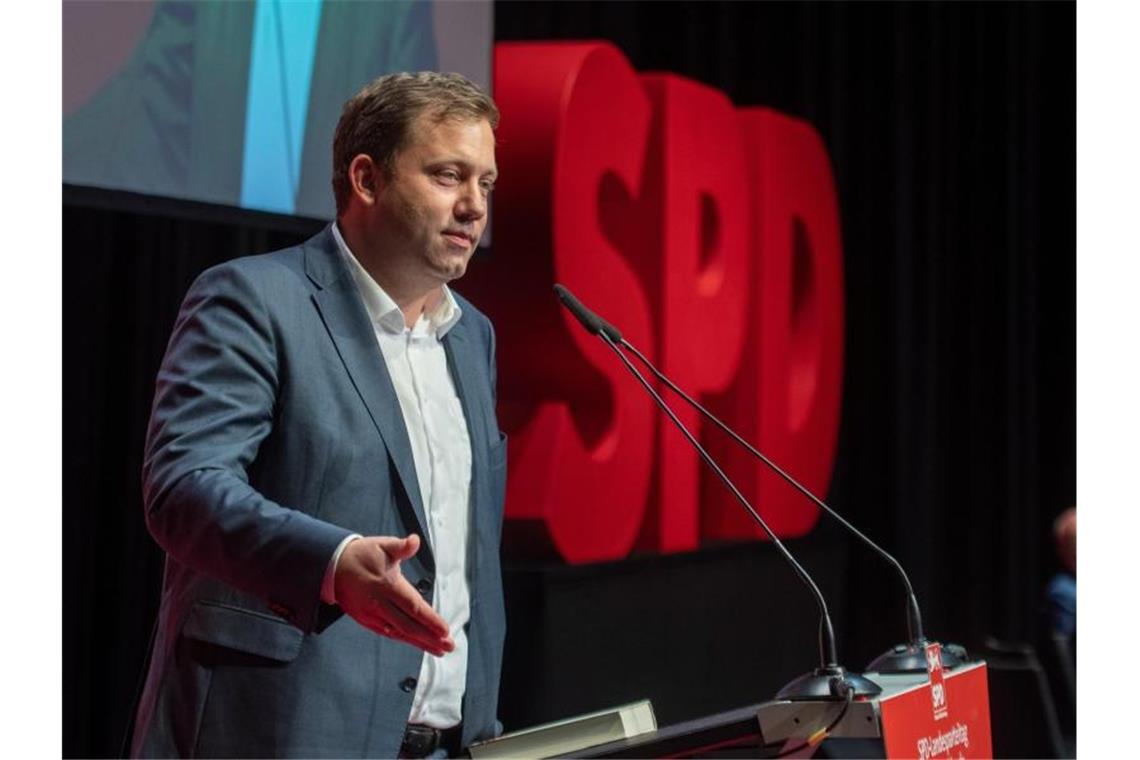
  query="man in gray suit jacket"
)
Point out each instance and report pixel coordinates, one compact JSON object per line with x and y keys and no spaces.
{"x":324,"y":467}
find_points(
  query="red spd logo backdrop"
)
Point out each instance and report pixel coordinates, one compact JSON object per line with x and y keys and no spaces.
{"x":709,"y":235}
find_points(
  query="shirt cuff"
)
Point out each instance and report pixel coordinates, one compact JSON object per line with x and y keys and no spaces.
{"x":328,"y":585}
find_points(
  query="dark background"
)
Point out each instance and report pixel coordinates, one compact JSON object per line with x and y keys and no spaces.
{"x":951,"y":129}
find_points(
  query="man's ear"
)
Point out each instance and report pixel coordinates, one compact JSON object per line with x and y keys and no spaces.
{"x":365,"y":179}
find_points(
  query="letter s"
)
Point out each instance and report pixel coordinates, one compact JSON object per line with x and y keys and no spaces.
{"x":571,"y":149}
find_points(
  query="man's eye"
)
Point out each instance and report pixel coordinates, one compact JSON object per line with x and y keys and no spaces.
{"x":449,"y":175}
{"x":487,"y":187}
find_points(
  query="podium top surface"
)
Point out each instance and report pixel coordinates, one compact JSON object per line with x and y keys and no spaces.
{"x":772,"y":722}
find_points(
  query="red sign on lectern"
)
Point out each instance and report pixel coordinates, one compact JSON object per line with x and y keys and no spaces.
{"x":946,"y":717}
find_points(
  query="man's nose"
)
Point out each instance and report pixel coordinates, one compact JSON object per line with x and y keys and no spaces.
{"x":472,"y":204}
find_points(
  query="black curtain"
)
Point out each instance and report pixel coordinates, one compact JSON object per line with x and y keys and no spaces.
{"x":128,"y":261}
{"x":951,"y":128}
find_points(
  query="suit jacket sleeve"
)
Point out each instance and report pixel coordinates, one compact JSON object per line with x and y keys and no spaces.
{"x":214,"y":405}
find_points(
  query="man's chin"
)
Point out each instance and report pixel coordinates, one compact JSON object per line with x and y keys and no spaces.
{"x":451,"y":268}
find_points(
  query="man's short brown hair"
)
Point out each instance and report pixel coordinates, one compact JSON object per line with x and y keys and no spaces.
{"x":376,"y":121}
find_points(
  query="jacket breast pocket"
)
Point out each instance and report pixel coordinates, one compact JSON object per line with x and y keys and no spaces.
{"x":497,"y":455}
{"x":243,"y":630}
{"x":496,"y":490}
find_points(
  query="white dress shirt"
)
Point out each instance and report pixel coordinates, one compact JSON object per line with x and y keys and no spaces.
{"x":441,"y":448}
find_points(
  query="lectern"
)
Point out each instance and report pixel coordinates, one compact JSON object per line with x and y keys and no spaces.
{"x":915,"y":716}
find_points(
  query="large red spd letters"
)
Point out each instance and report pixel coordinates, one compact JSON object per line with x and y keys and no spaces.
{"x":709,"y":235}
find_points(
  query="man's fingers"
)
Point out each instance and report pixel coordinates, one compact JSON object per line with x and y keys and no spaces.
{"x":400,"y":604}
{"x":389,"y":621}
{"x":414,"y":628}
{"x":412,"y":604}
{"x":394,"y":633}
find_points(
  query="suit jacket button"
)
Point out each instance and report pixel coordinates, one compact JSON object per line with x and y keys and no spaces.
{"x":424,"y":586}
{"x":408,"y":685}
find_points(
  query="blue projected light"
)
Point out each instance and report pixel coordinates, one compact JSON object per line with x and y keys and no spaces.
{"x":277,"y":102}
{"x":236,"y":102}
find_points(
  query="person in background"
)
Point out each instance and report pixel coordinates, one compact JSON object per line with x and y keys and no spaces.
{"x":1061,"y":593}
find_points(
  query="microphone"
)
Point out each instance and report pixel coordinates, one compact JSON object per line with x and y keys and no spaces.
{"x":901,"y":658}
{"x":594,"y":324}
{"x":830,"y":680}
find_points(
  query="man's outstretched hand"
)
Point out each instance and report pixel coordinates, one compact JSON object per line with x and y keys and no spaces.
{"x":373,"y":591}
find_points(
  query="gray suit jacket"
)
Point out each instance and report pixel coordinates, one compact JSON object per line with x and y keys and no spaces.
{"x":275,"y":433}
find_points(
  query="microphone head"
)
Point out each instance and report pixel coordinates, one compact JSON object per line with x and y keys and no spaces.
{"x":564,"y":295}
{"x":591,"y":321}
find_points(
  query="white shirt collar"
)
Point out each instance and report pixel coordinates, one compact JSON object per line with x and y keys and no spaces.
{"x":383,"y":310}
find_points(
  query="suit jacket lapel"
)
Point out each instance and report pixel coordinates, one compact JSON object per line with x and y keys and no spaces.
{"x":347,"y":322}
{"x":466,"y":367}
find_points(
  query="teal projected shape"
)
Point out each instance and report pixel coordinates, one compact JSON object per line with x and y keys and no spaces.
{"x":280,"y":74}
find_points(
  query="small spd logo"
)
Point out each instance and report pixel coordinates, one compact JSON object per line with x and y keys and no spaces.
{"x":937,"y":684}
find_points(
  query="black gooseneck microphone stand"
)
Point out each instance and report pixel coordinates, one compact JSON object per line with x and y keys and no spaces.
{"x":830,"y":680}
{"x":901,"y":658}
